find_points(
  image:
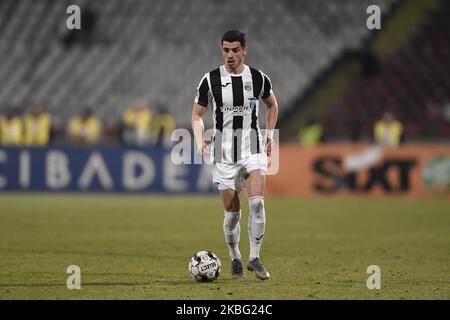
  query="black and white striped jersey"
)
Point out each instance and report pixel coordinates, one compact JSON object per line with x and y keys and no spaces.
{"x":235,"y":102}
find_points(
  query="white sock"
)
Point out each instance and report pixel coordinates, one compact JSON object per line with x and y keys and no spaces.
{"x":256,"y":225}
{"x":232,"y":231}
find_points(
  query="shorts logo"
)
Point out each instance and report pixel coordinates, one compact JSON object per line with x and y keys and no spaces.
{"x":248,"y":86}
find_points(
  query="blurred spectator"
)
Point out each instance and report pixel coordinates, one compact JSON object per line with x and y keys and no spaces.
{"x":311,"y":134}
{"x":37,"y":127}
{"x":136,"y":122}
{"x":388,"y":131}
{"x":85,"y":129}
{"x":162,"y":127}
{"x":11,"y":130}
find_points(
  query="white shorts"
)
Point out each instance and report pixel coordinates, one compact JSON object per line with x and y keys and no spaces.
{"x":231,"y":176}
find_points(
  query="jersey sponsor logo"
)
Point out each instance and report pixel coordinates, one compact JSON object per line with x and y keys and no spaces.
{"x":241,"y":110}
{"x":237,"y":110}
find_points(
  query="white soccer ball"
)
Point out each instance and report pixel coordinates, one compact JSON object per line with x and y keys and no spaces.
{"x":205,"y":266}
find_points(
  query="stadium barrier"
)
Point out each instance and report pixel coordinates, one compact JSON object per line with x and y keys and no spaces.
{"x":330,"y":169}
{"x":112,"y":169}
{"x":357,"y":169}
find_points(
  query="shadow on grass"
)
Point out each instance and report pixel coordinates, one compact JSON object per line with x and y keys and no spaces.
{"x":89,"y":253}
{"x":93,"y":284}
{"x":157,"y":282}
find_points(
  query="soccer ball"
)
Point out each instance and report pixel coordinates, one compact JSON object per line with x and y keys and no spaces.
{"x":205,"y":266}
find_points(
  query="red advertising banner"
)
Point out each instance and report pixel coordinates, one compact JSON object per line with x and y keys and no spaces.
{"x":356,"y":169}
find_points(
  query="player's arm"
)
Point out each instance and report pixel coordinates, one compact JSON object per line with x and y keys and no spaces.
{"x":271,"y":120}
{"x":198,"y":127}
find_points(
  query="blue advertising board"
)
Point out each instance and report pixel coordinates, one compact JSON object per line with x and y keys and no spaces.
{"x":112,"y":169}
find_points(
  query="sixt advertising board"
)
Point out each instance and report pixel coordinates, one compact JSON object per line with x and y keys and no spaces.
{"x":346,"y":169}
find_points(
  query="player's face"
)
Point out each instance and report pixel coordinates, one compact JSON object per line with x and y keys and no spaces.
{"x":233,"y":55}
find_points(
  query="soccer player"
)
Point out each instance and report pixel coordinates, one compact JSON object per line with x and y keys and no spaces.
{"x":239,"y":151}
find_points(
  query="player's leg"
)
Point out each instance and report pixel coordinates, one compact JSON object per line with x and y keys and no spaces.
{"x":232,"y":229}
{"x":224,"y":176}
{"x":255,"y":184}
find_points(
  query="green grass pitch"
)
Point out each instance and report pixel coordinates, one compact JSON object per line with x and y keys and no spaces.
{"x":138,"y":247}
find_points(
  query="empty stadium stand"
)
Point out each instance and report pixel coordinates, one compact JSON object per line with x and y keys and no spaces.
{"x":412,"y":82}
{"x":159,"y":50}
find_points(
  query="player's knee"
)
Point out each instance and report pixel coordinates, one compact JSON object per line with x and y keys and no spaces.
{"x":256,"y":205}
{"x":232,"y":207}
{"x":231,"y":202}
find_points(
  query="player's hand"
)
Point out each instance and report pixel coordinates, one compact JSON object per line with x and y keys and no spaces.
{"x":269,"y":143}
{"x":204,"y":150}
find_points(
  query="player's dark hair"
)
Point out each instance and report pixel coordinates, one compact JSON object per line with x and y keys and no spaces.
{"x":234,"y":35}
